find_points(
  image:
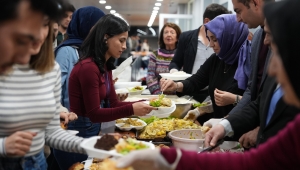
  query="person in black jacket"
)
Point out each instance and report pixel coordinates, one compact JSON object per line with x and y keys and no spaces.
{"x":270,"y":114}
{"x":228,"y":39}
{"x":192,"y":50}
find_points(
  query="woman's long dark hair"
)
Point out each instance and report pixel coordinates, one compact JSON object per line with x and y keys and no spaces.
{"x":95,"y":46}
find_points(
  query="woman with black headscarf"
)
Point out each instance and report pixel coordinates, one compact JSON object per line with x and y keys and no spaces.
{"x":279,"y":152}
{"x":225,"y":71}
{"x":66,"y":54}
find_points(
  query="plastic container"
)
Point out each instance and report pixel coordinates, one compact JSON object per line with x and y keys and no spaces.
{"x":182,"y":139}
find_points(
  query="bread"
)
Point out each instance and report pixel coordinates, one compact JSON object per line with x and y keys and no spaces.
{"x":77,"y":166}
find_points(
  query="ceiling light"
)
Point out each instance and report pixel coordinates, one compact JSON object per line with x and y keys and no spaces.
{"x":151,"y":20}
{"x":107,"y":7}
{"x":159,"y":0}
{"x":112,"y":11}
{"x":157,"y":4}
{"x":102,"y":2}
{"x":156,"y":8}
{"x":153,"y":31}
{"x":154,"y":12}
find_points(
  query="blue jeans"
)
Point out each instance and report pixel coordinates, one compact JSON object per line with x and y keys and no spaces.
{"x":35,"y":162}
{"x":86,"y":129}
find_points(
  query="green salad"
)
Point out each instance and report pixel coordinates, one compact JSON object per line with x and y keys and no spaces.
{"x":157,"y":102}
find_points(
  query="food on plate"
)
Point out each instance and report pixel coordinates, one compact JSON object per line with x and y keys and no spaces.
{"x":106,"y":142}
{"x":106,"y":164}
{"x":77,"y":166}
{"x":136,"y":88}
{"x":126,"y":125}
{"x":158,"y":128}
{"x":161,"y":101}
{"x":127,"y":145}
{"x":178,"y":73}
{"x":128,"y":122}
{"x":64,"y":126}
{"x":122,"y":146}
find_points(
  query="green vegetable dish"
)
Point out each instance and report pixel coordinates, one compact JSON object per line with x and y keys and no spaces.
{"x":154,"y":118}
{"x":200,"y":104}
{"x":136,"y":88}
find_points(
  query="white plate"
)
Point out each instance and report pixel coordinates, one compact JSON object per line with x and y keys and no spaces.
{"x":122,"y":91}
{"x":175,"y":76}
{"x":120,"y":85}
{"x":161,"y":112}
{"x":88,"y":146}
{"x":73,"y":132}
{"x":119,"y":125}
{"x":137,"y":92}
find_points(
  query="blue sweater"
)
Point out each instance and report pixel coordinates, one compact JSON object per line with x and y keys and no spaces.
{"x":66,"y":57}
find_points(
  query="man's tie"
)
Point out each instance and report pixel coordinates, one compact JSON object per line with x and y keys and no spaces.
{"x":276,"y":96}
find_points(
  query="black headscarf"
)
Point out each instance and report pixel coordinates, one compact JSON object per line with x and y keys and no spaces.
{"x":283,"y":19}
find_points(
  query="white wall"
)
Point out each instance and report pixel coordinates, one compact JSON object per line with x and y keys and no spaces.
{"x":198,"y":11}
{"x":199,"y":8}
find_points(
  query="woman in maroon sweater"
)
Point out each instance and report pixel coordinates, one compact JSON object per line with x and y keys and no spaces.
{"x":91,"y":90}
{"x":279,"y":152}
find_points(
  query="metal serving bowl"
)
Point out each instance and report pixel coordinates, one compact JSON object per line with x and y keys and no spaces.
{"x":181,"y":110}
{"x":183,"y":105}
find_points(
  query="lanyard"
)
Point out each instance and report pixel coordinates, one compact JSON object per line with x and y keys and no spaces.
{"x":107,"y":85}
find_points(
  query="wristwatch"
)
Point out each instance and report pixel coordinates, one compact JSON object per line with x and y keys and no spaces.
{"x":237,"y":100}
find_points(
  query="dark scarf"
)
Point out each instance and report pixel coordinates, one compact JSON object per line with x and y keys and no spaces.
{"x":284,"y":22}
{"x":232,"y":38}
{"x":82,"y":21}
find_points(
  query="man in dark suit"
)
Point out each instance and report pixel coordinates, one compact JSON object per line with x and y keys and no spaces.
{"x":260,"y":57}
{"x":192,"y":48}
{"x":257,"y":114}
